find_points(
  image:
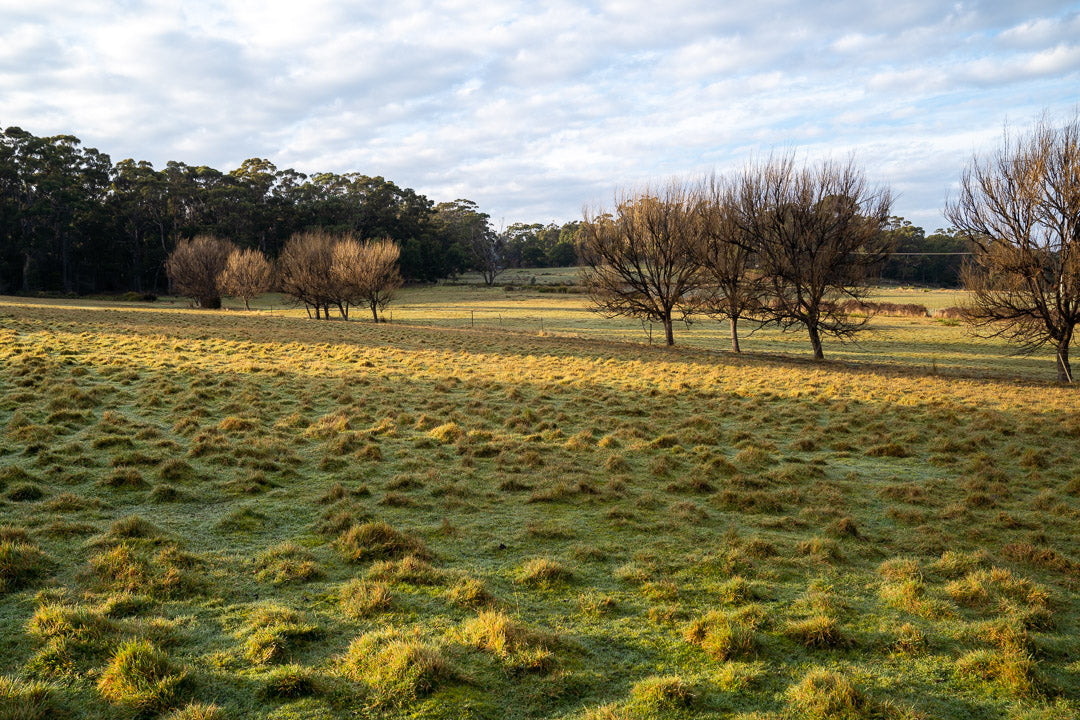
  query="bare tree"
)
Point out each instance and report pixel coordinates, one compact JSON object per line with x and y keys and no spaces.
{"x":304,"y":271}
{"x":194,"y":266}
{"x":1021,"y":209}
{"x":366,"y":273}
{"x":486,"y":248}
{"x":379,"y":276}
{"x":640,"y":262}
{"x":247,"y":274}
{"x":816,"y":231}
{"x":732,"y":287}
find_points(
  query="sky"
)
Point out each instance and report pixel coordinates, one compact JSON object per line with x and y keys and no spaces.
{"x":536,"y":109}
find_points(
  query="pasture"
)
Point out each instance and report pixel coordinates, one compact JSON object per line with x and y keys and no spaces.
{"x":468,"y":513}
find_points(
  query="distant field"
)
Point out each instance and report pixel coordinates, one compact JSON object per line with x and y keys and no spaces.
{"x":460,"y":514}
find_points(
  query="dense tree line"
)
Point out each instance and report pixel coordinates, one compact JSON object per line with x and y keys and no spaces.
{"x":71,"y":220}
{"x":922,"y":259}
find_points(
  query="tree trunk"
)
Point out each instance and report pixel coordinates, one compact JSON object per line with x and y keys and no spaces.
{"x":375,"y":312}
{"x":669,"y":334}
{"x":1063,"y":367}
{"x":246,"y":306}
{"x":735,"y":333}
{"x":815,"y":341}
{"x":26,"y":272}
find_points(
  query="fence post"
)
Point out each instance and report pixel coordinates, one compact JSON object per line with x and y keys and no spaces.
{"x":472,"y":319}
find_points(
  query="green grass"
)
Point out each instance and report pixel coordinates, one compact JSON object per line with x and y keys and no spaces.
{"x":252,"y":514}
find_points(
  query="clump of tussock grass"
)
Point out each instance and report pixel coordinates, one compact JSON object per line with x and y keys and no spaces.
{"x":519,"y":648}
{"x":364,"y":598}
{"x":140,"y":677}
{"x":398,"y":669}
{"x":826,"y":695}
{"x":168,"y":493}
{"x":954,"y":563}
{"x":236,"y":425}
{"x":28,"y":700}
{"x":447,"y":433}
{"x":274,"y":631}
{"x":1012,"y":669}
{"x":409,"y":569}
{"x":818,"y":549}
{"x":71,"y":502}
{"x":177,"y":470}
{"x":286,"y":562}
{"x":843,"y":527}
{"x":127,"y":567}
{"x":290,"y":682}
{"x":1041,"y":556}
{"x":910,"y":640}
{"x":124,"y":478}
{"x":198,"y":711}
{"x":25,"y":492}
{"x":21,"y":562}
{"x":995,"y":589}
{"x":725,"y":636}
{"x":543,"y":571}
{"x":887,"y":450}
{"x":470,"y":592}
{"x":379,"y":541}
{"x":244,"y":520}
{"x":595,"y":604}
{"x":662,"y":693}
{"x":817,"y":631}
{"x":133,"y":527}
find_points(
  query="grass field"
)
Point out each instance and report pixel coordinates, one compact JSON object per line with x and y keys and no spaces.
{"x":460,"y":514}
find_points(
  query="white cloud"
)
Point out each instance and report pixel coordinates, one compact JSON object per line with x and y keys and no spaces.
{"x":534,"y":109}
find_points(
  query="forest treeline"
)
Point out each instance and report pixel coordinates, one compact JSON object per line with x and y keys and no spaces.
{"x":73,"y":221}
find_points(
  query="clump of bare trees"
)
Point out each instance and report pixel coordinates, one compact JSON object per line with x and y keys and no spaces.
{"x":323,"y":270}
{"x":779,"y":243}
{"x":247,"y":275}
{"x":195,"y":266}
{"x":1021,"y":210}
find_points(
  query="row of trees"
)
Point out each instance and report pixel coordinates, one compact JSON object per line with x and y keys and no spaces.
{"x":319,"y":269}
{"x":777,"y":243}
{"x":71,"y":220}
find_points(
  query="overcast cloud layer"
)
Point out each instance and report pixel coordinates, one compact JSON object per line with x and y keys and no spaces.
{"x":534,"y":109}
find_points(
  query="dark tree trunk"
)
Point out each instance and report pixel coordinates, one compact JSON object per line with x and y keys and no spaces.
{"x":26,"y":271}
{"x":1063,"y":367}
{"x":735,"y":333}
{"x":669,"y":333}
{"x":815,"y":340}
{"x":375,"y":312}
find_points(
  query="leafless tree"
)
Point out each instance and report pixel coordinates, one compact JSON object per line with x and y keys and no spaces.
{"x":366,"y":273}
{"x":816,"y":232}
{"x":640,"y":261}
{"x":486,"y":247}
{"x":247,"y":274}
{"x":732,"y":287}
{"x":304,"y":271}
{"x":194,"y":266}
{"x":1021,"y":209}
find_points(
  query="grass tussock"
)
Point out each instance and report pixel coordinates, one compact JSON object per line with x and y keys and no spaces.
{"x":364,"y":598}
{"x":28,"y":700}
{"x":22,"y":563}
{"x":725,"y":636}
{"x":290,"y":682}
{"x":141,"y":678}
{"x":379,"y":541}
{"x":662,"y":693}
{"x":519,"y":648}
{"x":273,"y":632}
{"x":398,"y":669}
{"x":285,"y":563}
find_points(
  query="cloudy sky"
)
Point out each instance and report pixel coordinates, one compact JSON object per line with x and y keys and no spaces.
{"x":533,"y":109}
